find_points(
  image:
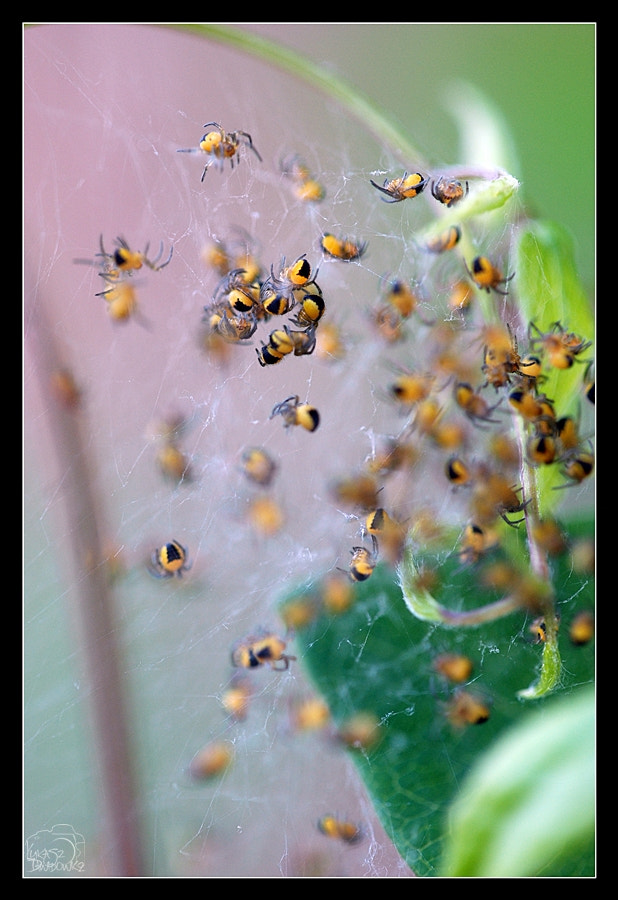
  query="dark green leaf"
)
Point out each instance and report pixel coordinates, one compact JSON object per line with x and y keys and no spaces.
{"x":378,"y":658}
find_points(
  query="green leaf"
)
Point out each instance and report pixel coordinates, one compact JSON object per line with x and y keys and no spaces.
{"x":378,"y":659}
{"x":548,"y":285}
{"x":549,"y":291}
{"x":530,"y":799}
{"x":484,"y":133}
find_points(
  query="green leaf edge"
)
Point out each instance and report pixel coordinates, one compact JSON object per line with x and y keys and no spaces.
{"x":531,"y":796}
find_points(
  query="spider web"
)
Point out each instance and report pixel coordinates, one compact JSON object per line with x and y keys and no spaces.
{"x":110,"y":168}
{"x":113,"y":104}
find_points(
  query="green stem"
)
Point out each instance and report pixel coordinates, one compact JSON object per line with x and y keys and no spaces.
{"x":538,"y":559}
{"x":424,"y":606}
{"x":549,"y":675}
{"x":551,"y":663}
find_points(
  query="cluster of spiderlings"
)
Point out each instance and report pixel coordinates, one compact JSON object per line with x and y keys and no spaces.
{"x":470,"y":373}
{"x":244,"y":298}
{"x":117,"y":270}
{"x":471,"y":370}
{"x":454,"y":400}
{"x":447,"y":402}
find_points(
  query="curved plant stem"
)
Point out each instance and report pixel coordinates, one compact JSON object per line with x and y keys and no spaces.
{"x":93,"y":613}
{"x":424,"y":606}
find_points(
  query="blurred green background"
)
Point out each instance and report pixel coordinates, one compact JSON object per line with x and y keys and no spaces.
{"x":540,"y":77}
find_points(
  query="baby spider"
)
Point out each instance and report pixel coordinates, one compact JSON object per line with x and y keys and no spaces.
{"x":346,"y":249}
{"x":448,"y":191}
{"x":279,"y":344}
{"x":577,"y":466}
{"x":220,"y":145}
{"x":232,"y":327}
{"x":561,"y":347}
{"x":340,"y":830}
{"x":487,"y":276}
{"x":241,"y":296}
{"x":403,"y":188}
{"x":239,"y":250}
{"x":296,"y":413}
{"x":363,"y":562}
{"x":169,"y":560}
{"x":282,"y":341}
{"x":445,"y":241}
{"x":294,"y":277}
{"x":258,"y":466}
{"x":260,"y":650}
{"x":306,"y":187}
{"x":121,"y":298}
{"x":476,"y":408}
{"x":123,"y":259}
{"x":312,"y":307}
{"x":475,"y":543}
{"x":274,"y":303}
{"x":465,"y":708}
